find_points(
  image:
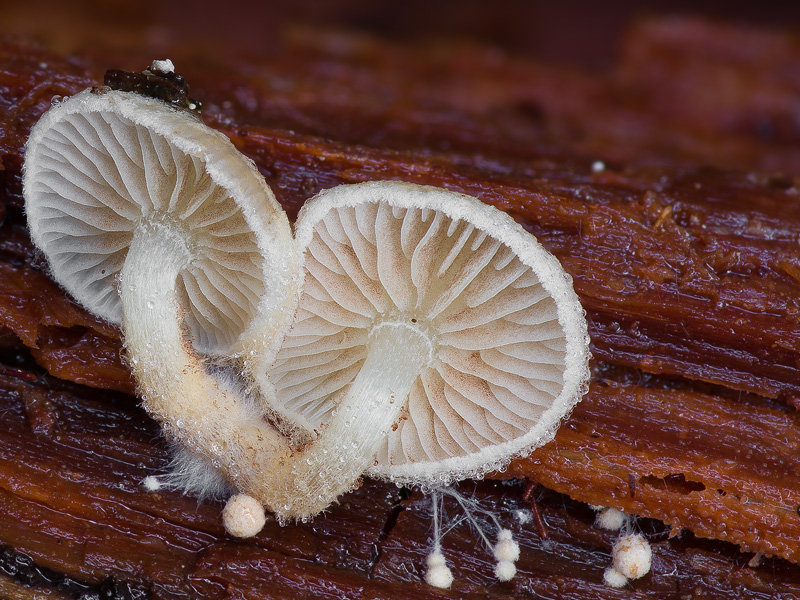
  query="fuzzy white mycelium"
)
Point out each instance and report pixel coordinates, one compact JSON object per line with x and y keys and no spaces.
{"x":405,"y":332}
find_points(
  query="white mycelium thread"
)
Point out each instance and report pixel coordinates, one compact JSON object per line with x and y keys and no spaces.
{"x":438,"y":574}
{"x":505,"y":550}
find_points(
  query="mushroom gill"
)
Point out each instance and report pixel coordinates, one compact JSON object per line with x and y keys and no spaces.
{"x":435,"y":339}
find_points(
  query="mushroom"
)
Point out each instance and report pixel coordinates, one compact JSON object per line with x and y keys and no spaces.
{"x":435,"y":338}
{"x":154,"y":221}
{"x":632,"y":559}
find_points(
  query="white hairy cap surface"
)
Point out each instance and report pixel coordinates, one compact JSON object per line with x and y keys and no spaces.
{"x":243,"y":516}
{"x":100,"y":164}
{"x":503,"y":344}
{"x":632,"y":556}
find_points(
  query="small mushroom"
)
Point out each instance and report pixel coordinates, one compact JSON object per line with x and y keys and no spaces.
{"x":435,"y":338}
{"x":154,"y":221}
{"x":632,"y":559}
{"x":107,"y":170}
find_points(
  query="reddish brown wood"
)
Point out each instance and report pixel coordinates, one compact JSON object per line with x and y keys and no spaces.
{"x":73,"y":501}
{"x":716,"y":77}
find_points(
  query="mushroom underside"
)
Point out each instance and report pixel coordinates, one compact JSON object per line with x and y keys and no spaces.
{"x":94,"y":177}
{"x":490,"y":345}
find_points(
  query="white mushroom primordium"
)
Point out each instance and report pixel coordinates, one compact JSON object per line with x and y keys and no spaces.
{"x":435,"y":339}
{"x":154,"y":221}
{"x":438,"y":574}
{"x":610,"y":518}
{"x":243,"y":516}
{"x":506,"y":552}
{"x":631,"y":559}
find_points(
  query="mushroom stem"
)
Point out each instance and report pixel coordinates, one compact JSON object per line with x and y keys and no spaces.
{"x":396,"y":352}
{"x":200,"y":411}
{"x":231,"y":433}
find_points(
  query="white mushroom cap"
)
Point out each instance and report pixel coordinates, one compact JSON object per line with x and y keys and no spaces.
{"x":505,"y":349}
{"x":101,"y":163}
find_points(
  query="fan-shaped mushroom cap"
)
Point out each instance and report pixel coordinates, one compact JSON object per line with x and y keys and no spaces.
{"x":101,"y":163}
{"x":500,"y":333}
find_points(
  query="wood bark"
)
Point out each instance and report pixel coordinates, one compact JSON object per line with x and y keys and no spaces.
{"x":687,"y":265}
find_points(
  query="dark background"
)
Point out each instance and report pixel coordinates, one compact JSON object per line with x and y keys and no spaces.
{"x":577,"y":33}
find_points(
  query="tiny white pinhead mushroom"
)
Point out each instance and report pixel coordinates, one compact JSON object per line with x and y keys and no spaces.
{"x":435,"y":338}
{"x":611,"y":519}
{"x":506,"y":552}
{"x":632,"y":556}
{"x":151,"y":483}
{"x":505,"y":570}
{"x":243,"y":516}
{"x":506,"y":548}
{"x":438,"y":574}
{"x":614,"y":578}
{"x":162,"y":66}
{"x":154,"y":221}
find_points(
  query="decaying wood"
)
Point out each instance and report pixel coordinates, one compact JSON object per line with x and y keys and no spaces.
{"x":70,"y":486}
{"x":689,"y":276}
